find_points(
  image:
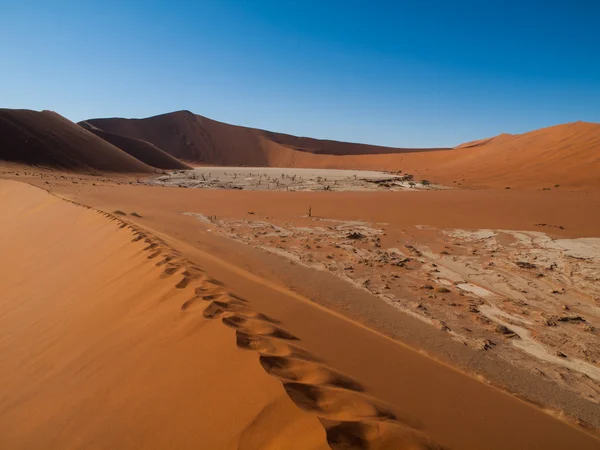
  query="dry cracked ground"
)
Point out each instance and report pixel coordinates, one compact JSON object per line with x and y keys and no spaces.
{"x":531,"y":299}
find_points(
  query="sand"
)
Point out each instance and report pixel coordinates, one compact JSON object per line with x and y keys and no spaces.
{"x":565,"y":155}
{"x":142,"y":150}
{"x":270,"y":308}
{"x":99,"y":351}
{"x":47,"y":139}
{"x":94,"y":324}
{"x":560,"y":157}
{"x":289,"y":179}
{"x":191,"y":137}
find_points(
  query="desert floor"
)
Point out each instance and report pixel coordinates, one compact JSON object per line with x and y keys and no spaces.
{"x":418,"y":318}
{"x":290,"y":179}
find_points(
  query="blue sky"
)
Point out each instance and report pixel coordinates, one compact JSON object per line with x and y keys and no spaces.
{"x":400,"y":73}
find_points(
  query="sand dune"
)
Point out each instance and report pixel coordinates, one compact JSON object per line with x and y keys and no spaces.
{"x":48,"y":139}
{"x":142,"y":150}
{"x":102,"y":347}
{"x":567,"y":155}
{"x":480,"y":142}
{"x":111,"y":338}
{"x":198,"y":139}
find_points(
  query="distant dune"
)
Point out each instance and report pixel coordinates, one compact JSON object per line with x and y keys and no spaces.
{"x":198,"y":139}
{"x":47,"y":139}
{"x":567,"y":155}
{"x":142,"y":150}
{"x":481,"y":142}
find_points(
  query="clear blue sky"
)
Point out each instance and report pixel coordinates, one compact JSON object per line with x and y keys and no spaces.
{"x":400,"y":73}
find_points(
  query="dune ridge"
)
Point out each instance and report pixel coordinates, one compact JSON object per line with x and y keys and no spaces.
{"x":142,"y":150}
{"x":47,"y":139}
{"x":561,"y":156}
{"x":566,"y":155}
{"x":132,"y":329}
{"x":198,"y":139}
{"x":348,"y":416}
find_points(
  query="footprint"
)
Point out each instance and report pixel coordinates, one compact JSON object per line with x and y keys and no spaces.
{"x":191,"y":302}
{"x":154,"y":255}
{"x":198,"y":299}
{"x":170,"y":270}
{"x":259,"y":327}
{"x":164,"y":261}
{"x":238,"y":298}
{"x":210,"y":298}
{"x":296,"y":370}
{"x":262,"y":345}
{"x":192,"y":273}
{"x":376,"y":436}
{"x":183,"y":283}
{"x":336,"y":404}
{"x":216,"y":282}
{"x":219,"y":309}
{"x":209,"y":289}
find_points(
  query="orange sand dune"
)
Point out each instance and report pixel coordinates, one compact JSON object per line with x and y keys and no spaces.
{"x":567,"y":155}
{"x":48,"y":139}
{"x":198,"y":139}
{"x":98,"y":353}
{"x":480,"y":142}
{"x":142,"y":150}
{"x":108,"y":340}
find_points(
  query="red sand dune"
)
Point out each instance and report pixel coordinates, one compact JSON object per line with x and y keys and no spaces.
{"x":568,"y":155}
{"x":195,"y":138}
{"x":113,"y":338}
{"x":481,"y":142}
{"x":142,"y":150}
{"x":47,"y":139}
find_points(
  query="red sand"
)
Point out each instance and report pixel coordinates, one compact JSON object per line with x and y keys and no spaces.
{"x":142,"y":150}
{"x":567,"y":155}
{"x":48,"y":139}
{"x":109,"y":343}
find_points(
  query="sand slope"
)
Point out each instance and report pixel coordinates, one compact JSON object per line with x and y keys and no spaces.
{"x":48,"y":139}
{"x":568,"y":155}
{"x":109,"y":340}
{"x":195,"y":138}
{"x":103,"y":348}
{"x":142,"y":150}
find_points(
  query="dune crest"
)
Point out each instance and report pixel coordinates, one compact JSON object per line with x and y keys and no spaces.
{"x":142,"y":150}
{"x":566,"y":155}
{"x":198,"y":139}
{"x":98,"y":348}
{"x":47,"y":139}
{"x":106,"y":338}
